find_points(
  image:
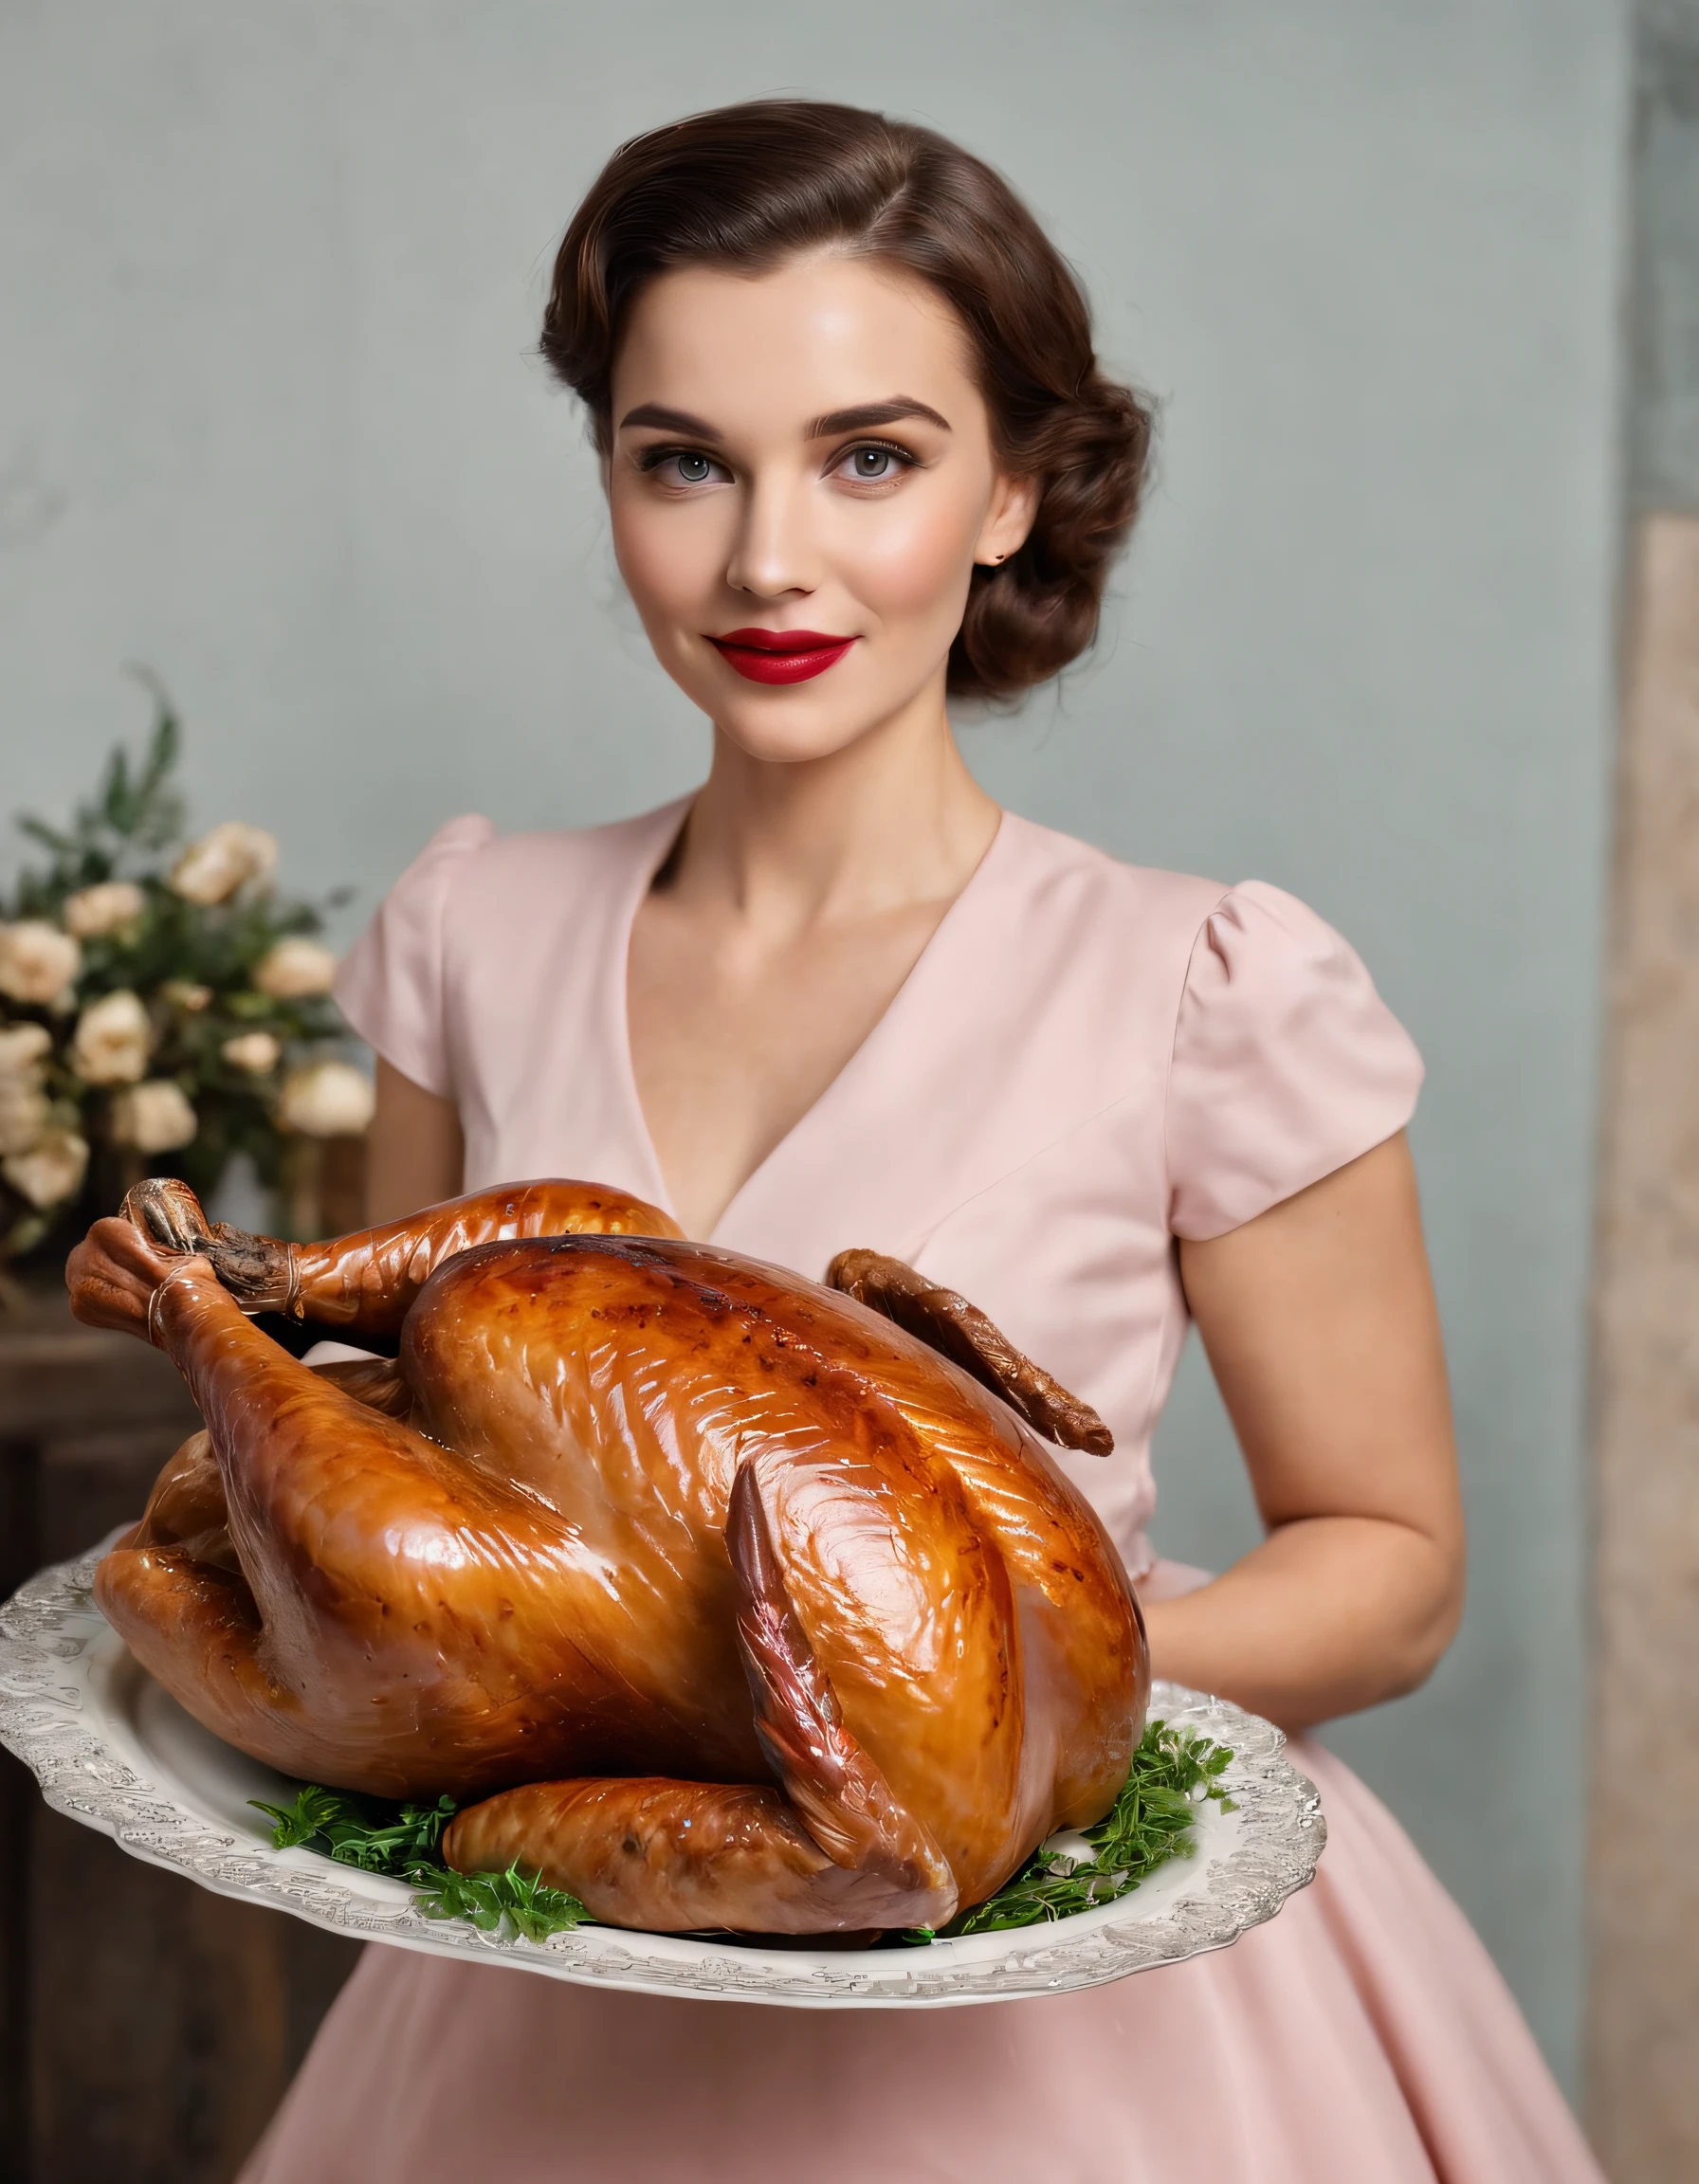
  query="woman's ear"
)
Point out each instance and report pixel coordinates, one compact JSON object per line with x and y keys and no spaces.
{"x":1013,"y":508}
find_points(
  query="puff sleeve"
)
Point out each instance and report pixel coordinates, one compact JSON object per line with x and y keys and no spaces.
{"x":1287,"y":1063}
{"x":390,"y":985}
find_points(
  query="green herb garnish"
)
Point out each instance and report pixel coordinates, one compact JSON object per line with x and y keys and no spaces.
{"x":403,"y":1841}
{"x":364,"y":1831}
{"x":534,"y":1908}
{"x":1152,"y":1820}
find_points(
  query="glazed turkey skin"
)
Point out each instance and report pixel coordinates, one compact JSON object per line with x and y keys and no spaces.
{"x":714,"y":1595}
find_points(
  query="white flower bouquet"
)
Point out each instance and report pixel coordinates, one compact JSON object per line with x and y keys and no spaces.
{"x":162,"y":1008}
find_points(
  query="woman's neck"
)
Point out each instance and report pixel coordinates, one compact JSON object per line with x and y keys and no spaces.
{"x":894,"y":818}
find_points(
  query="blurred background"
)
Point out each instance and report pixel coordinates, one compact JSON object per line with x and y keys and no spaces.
{"x":1418,"y":290}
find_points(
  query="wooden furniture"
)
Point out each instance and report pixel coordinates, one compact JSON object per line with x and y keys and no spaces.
{"x":147,"y":2027}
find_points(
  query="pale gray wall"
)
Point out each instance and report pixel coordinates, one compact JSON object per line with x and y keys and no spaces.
{"x":269,"y":422}
{"x":1663,"y":400}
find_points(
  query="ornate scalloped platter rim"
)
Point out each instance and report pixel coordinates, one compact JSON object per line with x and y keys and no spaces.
{"x":112,"y":1751}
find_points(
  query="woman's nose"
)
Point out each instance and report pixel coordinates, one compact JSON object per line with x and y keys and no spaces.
{"x":772,"y":552}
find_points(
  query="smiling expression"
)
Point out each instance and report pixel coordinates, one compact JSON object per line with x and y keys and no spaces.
{"x":801,"y":481}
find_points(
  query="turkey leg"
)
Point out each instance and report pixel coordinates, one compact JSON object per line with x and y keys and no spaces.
{"x":835,"y":1853}
{"x":402,"y":1621}
{"x":365,"y":1283}
{"x":362,"y":1284}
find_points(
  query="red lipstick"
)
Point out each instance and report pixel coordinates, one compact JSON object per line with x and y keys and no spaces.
{"x":780,"y":655}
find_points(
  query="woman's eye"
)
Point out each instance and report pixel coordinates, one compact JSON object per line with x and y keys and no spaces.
{"x":874,"y":466}
{"x":682,"y":466}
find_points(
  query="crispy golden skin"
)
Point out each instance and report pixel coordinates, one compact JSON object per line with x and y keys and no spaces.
{"x":728,"y":1601}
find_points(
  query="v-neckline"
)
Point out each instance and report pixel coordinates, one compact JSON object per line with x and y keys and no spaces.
{"x":670,"y":821}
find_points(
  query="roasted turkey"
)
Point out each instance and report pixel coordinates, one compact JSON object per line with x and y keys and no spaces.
{"x":720,"y":1598}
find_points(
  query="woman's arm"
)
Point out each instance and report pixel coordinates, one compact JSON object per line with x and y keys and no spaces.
{"x":415,"y":1152}
{"x":1319,"y":1321}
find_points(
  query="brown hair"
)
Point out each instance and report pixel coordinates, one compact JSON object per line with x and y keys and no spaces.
{"x":748,"y":186}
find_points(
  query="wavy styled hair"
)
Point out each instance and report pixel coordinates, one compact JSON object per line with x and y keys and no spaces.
{"x":747,"y":186}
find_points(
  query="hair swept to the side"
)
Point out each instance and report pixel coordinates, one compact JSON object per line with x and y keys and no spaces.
{"x":749,"y":186}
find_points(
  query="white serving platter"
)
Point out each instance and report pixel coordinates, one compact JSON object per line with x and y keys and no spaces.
{"x":112,"y":1749}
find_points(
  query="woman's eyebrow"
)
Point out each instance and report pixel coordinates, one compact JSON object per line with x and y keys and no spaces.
{"x":667,"y":420}
{"x":866,"y":415}
{"x":862,"y":417}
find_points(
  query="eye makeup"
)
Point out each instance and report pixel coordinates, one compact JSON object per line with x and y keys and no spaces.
{"x":649,"y":460}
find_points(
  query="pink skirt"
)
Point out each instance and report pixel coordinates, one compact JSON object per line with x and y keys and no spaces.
{"x":1362,"y":2037}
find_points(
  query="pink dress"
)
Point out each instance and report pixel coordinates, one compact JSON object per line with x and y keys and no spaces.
{"x":1087,"y":1061}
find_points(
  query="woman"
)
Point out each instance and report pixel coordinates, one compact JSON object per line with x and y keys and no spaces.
{"x":859,"y":458}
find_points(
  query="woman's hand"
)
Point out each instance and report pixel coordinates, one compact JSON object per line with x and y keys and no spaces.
{"x":1319,"y":1321}
{"x":415,"y":1152}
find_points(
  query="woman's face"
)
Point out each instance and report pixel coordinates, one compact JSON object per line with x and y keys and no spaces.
{"x":800,"y":481}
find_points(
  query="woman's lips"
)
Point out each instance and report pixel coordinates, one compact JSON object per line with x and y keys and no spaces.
{"x":780,"y":655}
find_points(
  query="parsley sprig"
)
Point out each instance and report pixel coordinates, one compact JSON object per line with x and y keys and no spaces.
{"x":1154,"y":1819}
{"x":521,"y":1899}
{"x":360,"y":1831}
{"x":404,"y":1841}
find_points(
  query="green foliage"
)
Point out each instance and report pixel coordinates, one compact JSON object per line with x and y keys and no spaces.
{"x":523,"y":1900}
{"x":404,"y":1842}
{"x":133,"y":817}
{"x":192,"y":966}
{"x":1154,"y":1819}
{"x":364,"y":1831}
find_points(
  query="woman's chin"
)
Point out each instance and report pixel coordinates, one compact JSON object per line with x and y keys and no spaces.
{"x":792,"y":727}
{"x":788,"y":741}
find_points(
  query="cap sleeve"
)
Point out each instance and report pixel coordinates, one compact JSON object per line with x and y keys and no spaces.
{"x":390,"y":984}
{"x":1287,"y":1063}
